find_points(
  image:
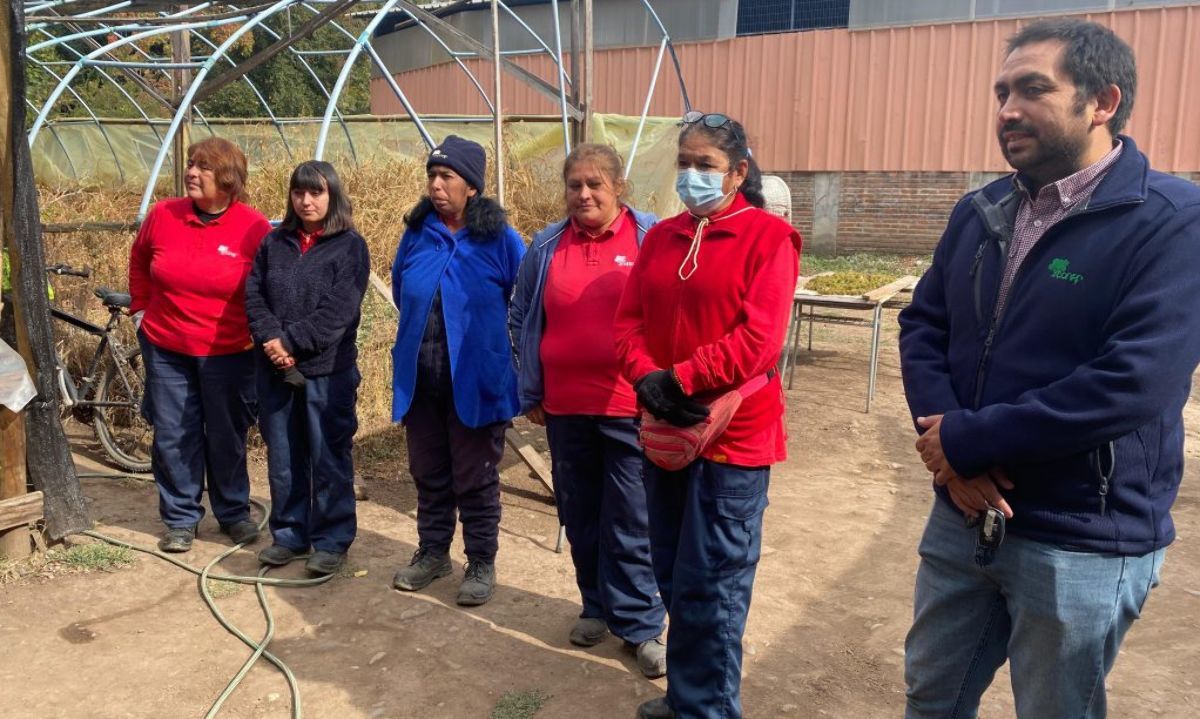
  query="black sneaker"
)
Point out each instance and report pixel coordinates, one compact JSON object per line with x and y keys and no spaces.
{"x":425,"y":567}
{"x":177,"y":539}
{"x":655,"y":709}
{"x":243,"y":532}
{"x":478,"y":583}
{"x":322,"y":562}
{"x":276,"y":555}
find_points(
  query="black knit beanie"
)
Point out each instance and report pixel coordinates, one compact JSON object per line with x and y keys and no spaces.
{"x":465,"y":157}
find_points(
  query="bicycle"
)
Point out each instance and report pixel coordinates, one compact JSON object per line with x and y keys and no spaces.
{"x":108,"y":395}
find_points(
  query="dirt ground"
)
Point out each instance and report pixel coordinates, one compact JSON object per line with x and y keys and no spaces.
{"x":832,"y":602}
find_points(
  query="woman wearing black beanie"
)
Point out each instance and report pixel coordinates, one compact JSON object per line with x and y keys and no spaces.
{"x":454,"y":385}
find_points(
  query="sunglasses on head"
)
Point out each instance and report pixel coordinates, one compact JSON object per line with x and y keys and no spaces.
{"x":712,"y":120}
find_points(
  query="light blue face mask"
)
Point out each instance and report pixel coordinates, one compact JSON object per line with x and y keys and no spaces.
{"x":700,"y":191}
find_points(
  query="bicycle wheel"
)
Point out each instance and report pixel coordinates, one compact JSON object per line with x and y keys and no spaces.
{"x":121,"y":429}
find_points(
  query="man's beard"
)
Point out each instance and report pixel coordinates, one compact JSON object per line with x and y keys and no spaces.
{"x":1054,"y":156}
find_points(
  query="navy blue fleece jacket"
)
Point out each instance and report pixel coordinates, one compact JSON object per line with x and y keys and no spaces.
{"x":1077,"y":388}
{"x":311,"y":301}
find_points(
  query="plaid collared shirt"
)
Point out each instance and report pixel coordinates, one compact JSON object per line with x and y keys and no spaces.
{"x":1038,"y":214}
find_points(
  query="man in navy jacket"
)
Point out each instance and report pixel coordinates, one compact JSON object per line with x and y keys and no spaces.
{"x":1047,"y":357}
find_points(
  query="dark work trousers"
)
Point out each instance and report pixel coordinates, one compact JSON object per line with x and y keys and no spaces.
{"x":454,"y":468}
{"x":602,"y":503}
{"x":309,"y":433}
{"x":201,"y":408}
{"x":705,"y":541}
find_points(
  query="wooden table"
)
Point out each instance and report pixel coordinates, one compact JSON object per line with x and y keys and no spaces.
{"x":894,"y":294}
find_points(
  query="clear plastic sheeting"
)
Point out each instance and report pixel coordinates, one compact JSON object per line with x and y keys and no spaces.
{"x":375,"y":140}
{"x":16,"y":386}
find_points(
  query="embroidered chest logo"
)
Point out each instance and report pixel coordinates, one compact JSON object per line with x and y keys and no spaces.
{"x":224,"y":250}
{"x":1059,"y":270}
{"x":623,"y":261}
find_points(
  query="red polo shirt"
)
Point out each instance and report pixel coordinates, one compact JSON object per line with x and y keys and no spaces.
{"x":584,"y":283}
{"x":190,"y":277}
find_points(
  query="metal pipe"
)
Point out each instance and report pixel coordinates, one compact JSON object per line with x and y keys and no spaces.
{"x":363,"y":38}
{"x":545,"y":47}
{"x":562,"y":88}
{"x":637,"y":138}
{"x":402,"y":97}
{"x":186,"y":101}
{"x":497,"y":112}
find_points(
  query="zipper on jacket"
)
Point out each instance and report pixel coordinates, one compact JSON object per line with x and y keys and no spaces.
{"x":977,"y":277}
{"x":1105,"y":474}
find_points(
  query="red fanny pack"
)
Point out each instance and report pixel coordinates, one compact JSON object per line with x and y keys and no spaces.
{"x":673,"y":448}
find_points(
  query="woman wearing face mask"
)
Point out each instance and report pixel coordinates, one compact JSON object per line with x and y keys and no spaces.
{"x":303,"y":299}
{"x":561,"y":322}
{"x":454,"y":385}
{"x":187,"y":276}
{"x":704,"y":313}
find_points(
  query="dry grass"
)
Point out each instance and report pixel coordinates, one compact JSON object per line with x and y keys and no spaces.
{"x":382,"y":193}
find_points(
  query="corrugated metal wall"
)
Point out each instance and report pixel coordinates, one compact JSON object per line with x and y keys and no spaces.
{"x":890,"y":99}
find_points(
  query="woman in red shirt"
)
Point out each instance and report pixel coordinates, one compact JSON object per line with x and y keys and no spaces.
{"x":187,"y":278}
{"x":561,"y":320}
{"x":704,"y":312}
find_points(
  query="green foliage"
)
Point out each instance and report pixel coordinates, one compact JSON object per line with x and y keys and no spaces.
{"x":897,"y":265}
{"x":519,"y":705}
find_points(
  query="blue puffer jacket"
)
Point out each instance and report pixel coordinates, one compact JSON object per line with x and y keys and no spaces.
{"x":476,"y":278}
{"x":527,"y":316}
{"x":1078,"y":388}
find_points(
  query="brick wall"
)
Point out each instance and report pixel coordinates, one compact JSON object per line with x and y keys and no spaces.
{"x":901,"y":212}
{"x":801,"y":185}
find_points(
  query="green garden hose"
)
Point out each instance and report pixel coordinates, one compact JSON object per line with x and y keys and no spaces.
{"x":260,"y":647}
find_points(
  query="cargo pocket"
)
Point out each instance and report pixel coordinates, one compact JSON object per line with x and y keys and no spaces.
{"x":739,"y":499}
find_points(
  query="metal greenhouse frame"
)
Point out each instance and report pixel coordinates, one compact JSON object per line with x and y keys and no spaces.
{"x":104,"y":36}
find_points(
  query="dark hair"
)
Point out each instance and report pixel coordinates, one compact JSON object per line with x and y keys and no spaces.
{"x":1093,"y":57}
{"x":485,"y":218}
{"x":316,"y":175}
{"x":604,"y":158}
{"x":730,"y":138}
{"x":226,"y":161}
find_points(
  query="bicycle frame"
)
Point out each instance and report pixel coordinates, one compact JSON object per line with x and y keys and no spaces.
{"x":83,"y":395}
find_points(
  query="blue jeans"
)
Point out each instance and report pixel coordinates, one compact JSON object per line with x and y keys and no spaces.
{"x":201,"y":409}
{"x":1058,"y":616}
{"x":705,"y":542}
{"x":602,"y":503}
{"x":310,"y":434}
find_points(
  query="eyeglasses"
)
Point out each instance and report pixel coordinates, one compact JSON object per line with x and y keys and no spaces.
{"x":712,"y":120}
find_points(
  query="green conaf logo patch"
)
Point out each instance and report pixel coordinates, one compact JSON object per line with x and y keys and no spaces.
{"x":1059,"y":271}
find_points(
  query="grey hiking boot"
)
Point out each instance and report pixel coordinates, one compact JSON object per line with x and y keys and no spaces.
{"x":478,"y":583}
{"x":655,"y":709}
{"x":425,"y":567}
{"x":588,"y":632}
{"x":651,"y":657}
{"x":177,"y":539}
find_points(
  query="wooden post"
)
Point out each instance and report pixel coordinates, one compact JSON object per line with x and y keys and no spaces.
{"x":589,"y":69}
{"x":181,"y":51}
{"x":498,"y":117}
{"x":14,"y":543}
{"x":48,"y":457}
{"x":576,"y":43}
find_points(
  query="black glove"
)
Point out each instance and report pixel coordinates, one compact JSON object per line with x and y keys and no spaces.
{"x":293,"y":378}
{"x":662,"y":397}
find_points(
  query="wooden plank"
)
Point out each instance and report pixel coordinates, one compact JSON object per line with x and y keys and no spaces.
{"x":14,"y":544}
{"x":531,"y":457}
{"x":21,"y":511}
{"x":384,"y":291}
{"x":890,"y":290}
